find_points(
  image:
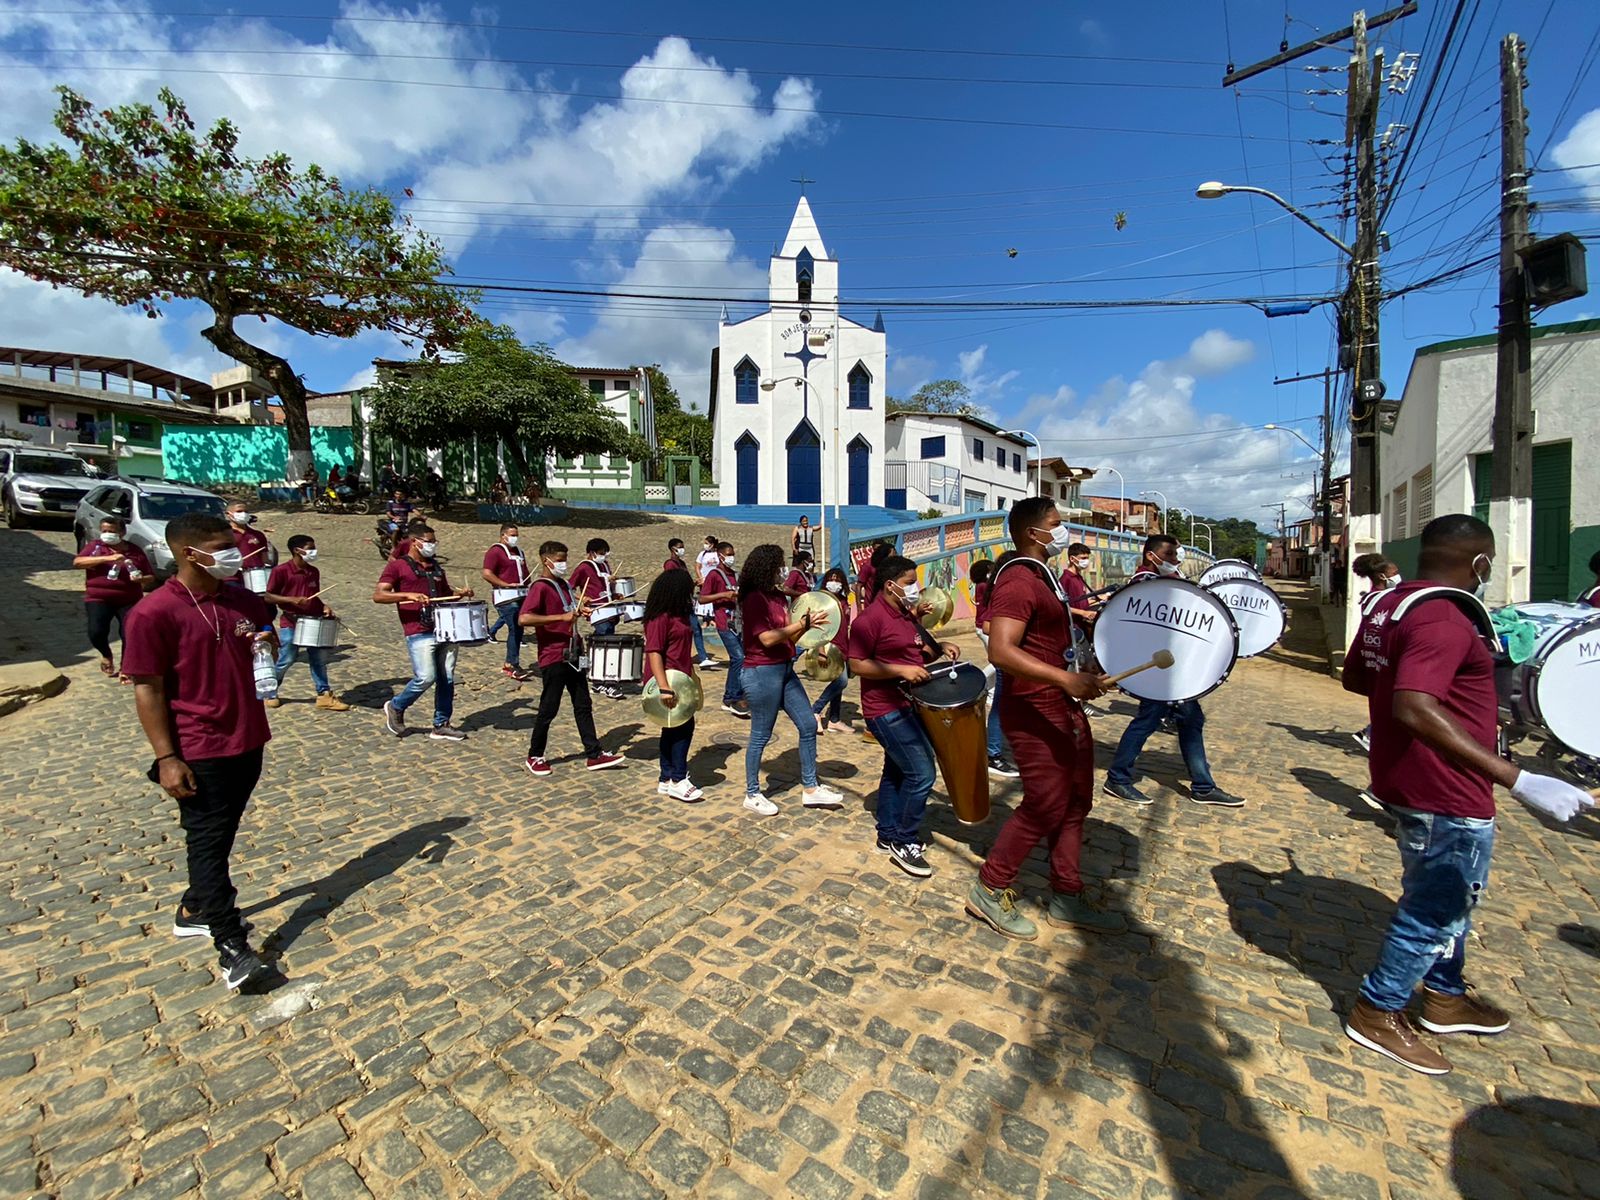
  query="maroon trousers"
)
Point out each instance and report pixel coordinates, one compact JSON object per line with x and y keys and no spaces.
{"x":1054,"y":750}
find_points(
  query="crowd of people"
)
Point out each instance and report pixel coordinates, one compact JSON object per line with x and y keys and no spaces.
{"x":191,"y":646}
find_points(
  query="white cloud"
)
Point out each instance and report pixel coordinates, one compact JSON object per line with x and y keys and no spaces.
{"x":1579,"y":152}
{"x":908,"y":372}
{"x":986,"y":386}
{"x":1215,"y":352}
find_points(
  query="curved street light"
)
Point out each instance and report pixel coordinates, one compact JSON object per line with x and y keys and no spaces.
{"x":1038,"y":479}
{"x":1296,"y":433}
{"x":1214,"y":190}
{"x":1164,"y":507}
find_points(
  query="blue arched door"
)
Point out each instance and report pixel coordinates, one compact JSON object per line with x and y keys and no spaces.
{"x":748,"y":452}
{"x":805,"y":465}
{"x":860,"y":471}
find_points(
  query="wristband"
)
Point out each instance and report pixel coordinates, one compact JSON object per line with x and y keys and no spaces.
{"x":164,"y":757}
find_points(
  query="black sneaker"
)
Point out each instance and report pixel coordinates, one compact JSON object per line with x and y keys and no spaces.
{"x":1125,"y":791}
{"x":998,"y":765}
{"x":193,"y":926}
{"x":447,"y":733}
{"x":394,"y":719}
{"x":1217,"y":798}
{"x":242,"y":968}
{"x":739,"y":708}
{"x":909,"y":858}
{"x":1364,"y":740}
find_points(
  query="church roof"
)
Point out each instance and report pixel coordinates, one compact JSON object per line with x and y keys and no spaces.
{"x":803,"y":234}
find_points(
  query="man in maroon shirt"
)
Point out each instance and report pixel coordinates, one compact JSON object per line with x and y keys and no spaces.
{"x":887,"y":649}
{"x":294,"y":587}
{"x":190,"y":651}
{"x":1427,"y":670}
{"x":505,"y":570}
{"x":412,"y":582}
{"x":1029,"y":636}
{"x":550,"y":609}
{"x":116,"y":575}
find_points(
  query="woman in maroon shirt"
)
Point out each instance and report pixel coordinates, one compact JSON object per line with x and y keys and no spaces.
{"x":668,"y":642}
{"x":770,"y":682}
{"x":116,"y":574}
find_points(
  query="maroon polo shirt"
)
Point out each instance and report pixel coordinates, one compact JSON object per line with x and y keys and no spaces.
{"x":796,"y":581}
{"x":253,"y":545}
{"x":100,"y":588}
{"x":762,"y":612}
{"x":1435,"y":649}
{"x":590,"y":581}
{"x":547,"y":597}
{"x":866,"y":584}
{"x":673,"y":564}
{"x":507,"y":564}
{"x":720,"y":579}
{"x":980,"y":602}
{"x":669,"y":637}
{"x":1591,"y":597}
{"x":403,"y":575}
{"x":293,"y":578}
{"x":1019,"y":591}
{"x":201,"y":648}
{"x":884,"y":634}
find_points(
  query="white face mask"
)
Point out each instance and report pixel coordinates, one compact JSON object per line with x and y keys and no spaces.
{"x":1168,"y":569}
{"x":910,"y":593}
{"x":111,"y":539}
{"x":242,"y":518}
{"x":511,"y":540}
{"x":727,"y":560}
{"x":1483,"y":578}
{"x":1394,"y":580}
{"x":600,"y":558}
{"x":309,"y":555}
{"x":558,"y":568}
{"x":1080,"y":564}
{"x":427,"y":549}
{"x":677,"y":552}
{"x":1060,"y":538}
{"x":835,"y":586}
{"x":224,"y":564}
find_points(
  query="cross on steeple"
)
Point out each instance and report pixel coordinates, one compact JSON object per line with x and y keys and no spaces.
{"x":802,"y":181}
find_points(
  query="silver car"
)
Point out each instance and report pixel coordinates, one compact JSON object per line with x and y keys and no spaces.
{"x":39,"y":484}
{"x":146,"y":505}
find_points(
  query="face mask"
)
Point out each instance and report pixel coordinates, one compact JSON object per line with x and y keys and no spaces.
{"x":1060,"y":538}
{"x":558,"y":568}
{"x":309,"y":555}
{"x":110,"y":539}
{"x":242,"y":518}
{"x":835,"y":586}
{"x":727,"y":560}
{"x":1168,"y":569}
{"x":910,"y":592}
{"x":427,"y":549}
{"x":1394,"y":580}
{"x":778,"y":579}
{"x":600,"y":558}
{"x":1179,"y":553}
{"x":224,"y":564}
{"x":1080,"y":564}
{"x":677,"y":552}
{"x":511,"y":540}
{"x":1483,"y":579}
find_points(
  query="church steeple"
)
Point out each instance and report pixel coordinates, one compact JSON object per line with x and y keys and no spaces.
{"x":803,"y":234}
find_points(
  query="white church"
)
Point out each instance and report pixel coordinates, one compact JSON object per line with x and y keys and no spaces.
{"x":797,"y":392}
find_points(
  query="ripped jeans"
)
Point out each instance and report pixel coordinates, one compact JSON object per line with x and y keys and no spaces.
{"x":1444,"y":865}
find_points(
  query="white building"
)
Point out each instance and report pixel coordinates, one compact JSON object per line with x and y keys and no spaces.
{"x":953,"y":464}
{"x":1438,"y":458}
{"x":826,"y":409}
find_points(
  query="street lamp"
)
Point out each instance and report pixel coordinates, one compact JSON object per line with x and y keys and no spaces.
{"x":1325,"y":566}
{"x":1206,"y":525}
{"x":1122,"y":499}
{"x":1298,"y":434}
{"x":1215,"y":191}
{"x":1038,"y":479}
{"x":768,"y":385}
{"x":1163,"y":495}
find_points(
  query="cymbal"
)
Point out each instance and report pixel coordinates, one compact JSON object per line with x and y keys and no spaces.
{"x":833,"y":617}
{"x":823,"y":663}
{"x":687,"y":695}
{"x":943,"y":607}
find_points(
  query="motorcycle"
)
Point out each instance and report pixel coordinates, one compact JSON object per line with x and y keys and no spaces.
{"x":352,"y":497}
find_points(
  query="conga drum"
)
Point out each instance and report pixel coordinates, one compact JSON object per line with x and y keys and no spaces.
{"x":952,"y":710}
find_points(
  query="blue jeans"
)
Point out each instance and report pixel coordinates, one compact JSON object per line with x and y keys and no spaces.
{"x":605,"y":628}
{"x":733,"y":686}
{"x":1444,"y":867}
{"x":433,"y":664}
{"x":508,"y":619}
{"x":316,"y":659}
{"x":832,"y":698}
{"x":1191,"y":741}
{"x":997,"y":741}
{"x":907,"y":775}
{"x":768,"y":689}
{"x":675,"y":752}
{"x":699,"y":639}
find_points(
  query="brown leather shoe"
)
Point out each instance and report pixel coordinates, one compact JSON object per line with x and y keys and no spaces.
{"x":273,"y":702}
{"x":1444,"y":1013}
{"x":330,"y":702}
{"x":1392,"y":1033}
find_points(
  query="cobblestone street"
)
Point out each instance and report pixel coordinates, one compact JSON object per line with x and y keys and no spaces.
{"x":509,"y":987}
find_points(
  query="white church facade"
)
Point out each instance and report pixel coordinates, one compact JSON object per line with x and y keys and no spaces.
{"x":798,"y":391}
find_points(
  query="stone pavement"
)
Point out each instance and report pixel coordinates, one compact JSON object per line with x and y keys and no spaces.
{"x":504,"y":987}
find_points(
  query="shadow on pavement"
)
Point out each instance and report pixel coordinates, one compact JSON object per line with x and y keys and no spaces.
{"x":430,"y":840}
{"x":42,"y":624}
{"x":1528,"y":1145}
{"x":1584,"y":937}
{"x":1342,"y":794}
{"x":1327,"y":929}
{"x":516,"y":713}
{"x":375,"y":693}
{"x":1338,"y":739}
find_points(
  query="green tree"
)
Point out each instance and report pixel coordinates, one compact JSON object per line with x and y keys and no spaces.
{"x":678,"y":431}
{"x":940,"y":396}
{"x":140,"y":209}
{"x":499,"y":388}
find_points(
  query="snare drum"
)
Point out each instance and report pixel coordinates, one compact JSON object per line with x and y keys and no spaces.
{"x":632,"y":612}
{"x":623,"y":587}
{"x":1167,"y":614}
{"x":704,"y":611}
{"x":618,"y":658}
{"x":604,"y":613}
{"x":1228,"y":568}
{"x":507,"y":595}
{"x":255,"y":579}
{"x":952,"y":710}
{"x":1554,"y":689}
{"x":1257,"y":611}
{"x":461,"y":622}
{"x":317,"y":633}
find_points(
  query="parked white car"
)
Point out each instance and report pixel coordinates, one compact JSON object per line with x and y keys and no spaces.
{"x":146,"y":505}
{"x":38,"y":483}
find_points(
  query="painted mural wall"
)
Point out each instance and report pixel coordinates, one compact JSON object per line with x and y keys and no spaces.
{"x":249,"y":453}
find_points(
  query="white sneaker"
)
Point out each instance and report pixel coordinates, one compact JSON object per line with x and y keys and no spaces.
{"x":760,"y":805}
{"x":823,"y":797}
{"x":686,"y":791}
{"x":706,"y":664}
{"x":663,"y":788}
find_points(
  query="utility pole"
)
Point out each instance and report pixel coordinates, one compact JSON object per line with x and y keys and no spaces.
{"x":1511,"y":490}
{"x":1325,"y":508}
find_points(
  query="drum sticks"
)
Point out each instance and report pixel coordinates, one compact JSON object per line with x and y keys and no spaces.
{"x":1161,"y":659}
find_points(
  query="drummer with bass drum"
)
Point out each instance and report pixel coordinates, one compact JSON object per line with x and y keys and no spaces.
{"x":888,"y":651}
{"x":1162,"y":559}
{"x":296,"y":588}
{"x":1030,"y":632}
{"x":413,"y":583}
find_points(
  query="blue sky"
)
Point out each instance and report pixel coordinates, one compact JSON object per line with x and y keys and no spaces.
{"x":628,"y":147}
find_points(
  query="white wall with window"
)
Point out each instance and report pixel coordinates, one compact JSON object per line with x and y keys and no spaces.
{"x":953,"y":463}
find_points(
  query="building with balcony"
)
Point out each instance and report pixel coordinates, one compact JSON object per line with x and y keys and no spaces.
{"x":948,"y":463}
{"x":1063,"y":483}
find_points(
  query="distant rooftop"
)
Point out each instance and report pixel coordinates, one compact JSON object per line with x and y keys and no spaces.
{"x":15,"y":359}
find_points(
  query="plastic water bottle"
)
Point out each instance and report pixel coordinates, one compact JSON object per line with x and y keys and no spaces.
{"x":266,"y":671}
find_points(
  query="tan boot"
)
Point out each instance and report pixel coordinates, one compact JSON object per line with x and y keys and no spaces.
{"x":1392,"y":1033}
{"x":274,"y":702}
{"x":330,"y":702}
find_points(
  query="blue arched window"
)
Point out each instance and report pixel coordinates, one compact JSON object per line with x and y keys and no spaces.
{"x":746,"y":382}
{"x":860,"y":386}
{"x":747,"y":458}
{"x":804,"y":272}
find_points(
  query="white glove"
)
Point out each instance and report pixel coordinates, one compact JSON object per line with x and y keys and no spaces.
{"x":1553,"y":797}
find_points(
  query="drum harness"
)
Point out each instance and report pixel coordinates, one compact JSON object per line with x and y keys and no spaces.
{"x":428,"y":574}
{"x":518,"y":558}
{"x":574,"y":655}
{"x":1055,"y":586}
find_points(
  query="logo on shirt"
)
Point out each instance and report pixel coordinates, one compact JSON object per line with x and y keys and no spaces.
{"x":243,"y":628}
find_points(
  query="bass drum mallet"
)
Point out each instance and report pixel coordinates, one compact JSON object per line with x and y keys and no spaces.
{"x":1161,"y":659}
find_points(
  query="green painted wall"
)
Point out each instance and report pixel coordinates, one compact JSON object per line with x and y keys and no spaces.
{"x":1584,"y":542}
{"x":1404,"y":555}
{"x":248,"y":453}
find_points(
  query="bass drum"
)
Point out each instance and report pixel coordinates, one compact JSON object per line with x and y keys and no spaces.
{"x":952,"y":710}
{"x":1256,"y":610}
{"x":1225,"y":569}
{"x":1555,"y":689}
{"x":1188,"y":621}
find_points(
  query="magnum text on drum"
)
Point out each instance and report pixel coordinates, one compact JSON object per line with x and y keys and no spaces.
{"x":1176,"y":616}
